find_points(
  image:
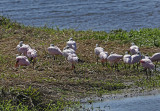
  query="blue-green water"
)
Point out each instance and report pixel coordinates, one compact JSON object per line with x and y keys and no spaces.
{"x":84,"y":14}
{"x":140,"y":103}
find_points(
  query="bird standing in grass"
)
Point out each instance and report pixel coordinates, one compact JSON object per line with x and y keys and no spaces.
{"x":135,"y":59}
{"x":134,"y":49}
{"x":103,"y":57}
{"x":54,"y":50}
{"x":127,"y":59}
{"x":114,"y":58}
{"x":148,"y":65}
{"x":97,"y":51}
{"x":21,"y":61}
{"x":23,"y":48}
{"x":32,"y":54}
{"x":73,"y":59}
{"x":66,"y":51}
{"x":155,"y":58}
{"x":72,"y":44}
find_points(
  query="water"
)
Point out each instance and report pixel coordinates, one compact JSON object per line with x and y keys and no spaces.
{"x":101,"y":15}
{"x":141,"y":103}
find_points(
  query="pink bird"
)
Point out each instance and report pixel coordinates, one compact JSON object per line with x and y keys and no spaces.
{"x":155,"y":58}
{"x":134,"y":49}
{"x":67,"y":50}
{"x":127,"y":59}
{"x":147,"y":64}
{"x":114,"y":58}
{"x":103,"y":57}
{"x":22,"y":61}
{"x":73,"y":59}
{"x":54,"y":50}
{"x":98,"y":50}
{"x":72,"y":44}
{"x":135,"y":59}
{"x":23,"y":48}
{"x":32,"y":54}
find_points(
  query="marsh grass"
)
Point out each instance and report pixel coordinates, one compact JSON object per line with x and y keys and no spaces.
{"x":52,"y":84}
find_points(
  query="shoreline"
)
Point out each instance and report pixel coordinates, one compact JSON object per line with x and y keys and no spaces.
{"x":122,"y":95}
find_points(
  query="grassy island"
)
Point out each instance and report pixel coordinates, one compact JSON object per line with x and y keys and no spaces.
{"x":52,"y":85}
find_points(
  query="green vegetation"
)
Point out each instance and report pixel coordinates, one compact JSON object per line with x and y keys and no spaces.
{"x":52,"y":85}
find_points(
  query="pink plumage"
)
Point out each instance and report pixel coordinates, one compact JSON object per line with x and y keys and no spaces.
{"x":23,"y":48}
{"x":32,"y":53}
{"x":114,"y":58}
{"x":127,"y":58}
{"x":22,"y":61}
{"x":54,"y":50}
{"x":155,"y":57}
{"x":103,"y":56}
{"x":147,"y":64}
{"x":98,"y":50}
{"x":134,"y":49}
{"x":136,"y":58}
{"x":72,"y":58}
{"x":67,"y":50}
{"x":72,"y":44}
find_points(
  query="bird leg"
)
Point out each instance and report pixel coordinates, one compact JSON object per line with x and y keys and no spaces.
{"x":16,"y":65}
{"x":97,"y":59}
{"x":54,"y":58}
{"x":156,"y":65}
{"x":137,"y":65}
{"x":146,"y":73}
{"x":116,"y":67}
{"x":102,"y":63}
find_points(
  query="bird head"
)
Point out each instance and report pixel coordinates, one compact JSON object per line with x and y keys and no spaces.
{"x":97,"y":45}
{"x":52,"y":45}
{"x":71,"y":38}
{"x":21,"y":43}
{"x":132,"y":43}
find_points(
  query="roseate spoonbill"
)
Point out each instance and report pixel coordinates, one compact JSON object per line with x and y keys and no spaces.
{"x":98,"y":50}
{"x":103,"y":57}
{"x":114,"y":58}
{"x":148,"y":65}
{"x":67,"y":50}
{"x":54,"y":50}
{"x":155,"y":58}
{"x":21,"y":61}
{"x":22,"y":48}
{"x":73,"y":58}
{"x":72,"y":44}
{"x":134,"y":49}
{"x":135,"y":59}
{"x":127,"y":59}
{"x":32,"y":54}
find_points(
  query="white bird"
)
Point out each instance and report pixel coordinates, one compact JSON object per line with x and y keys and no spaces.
{"x":135,"y":59}
{"x":103,"y":57}
{"x":32,"y":54}
{"x":23,"y":48}
{"x":67,"y":50}
{"x":114,"y":58}
{"x":22,"y":61}
{"x":54,"y":50}
{"x":155,"y":58}
{"x":73,"y":59}
{"x":97,"y":51}
{"x":147,"y":64}
{"x":134,"y":49}
{"x":127,"y":59}
{"x":72,"y":44}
